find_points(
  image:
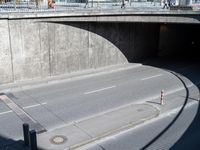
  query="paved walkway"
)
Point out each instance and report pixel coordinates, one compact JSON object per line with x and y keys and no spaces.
{"x":94,"y":128}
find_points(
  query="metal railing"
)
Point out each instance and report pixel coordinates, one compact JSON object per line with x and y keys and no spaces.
{"x":61,"y":5}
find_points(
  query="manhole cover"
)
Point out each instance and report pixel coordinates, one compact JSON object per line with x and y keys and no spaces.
{"x":140,"y":109}
{"x":58,"y":139}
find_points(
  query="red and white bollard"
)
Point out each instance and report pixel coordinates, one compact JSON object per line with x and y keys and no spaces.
{"x":161,"y":97}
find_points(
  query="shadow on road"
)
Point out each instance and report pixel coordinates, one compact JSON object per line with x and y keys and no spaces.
{"x":190,"y":139}
{"x":174,"y":120}
{"x":10,"y":144}
{"x":179,"y":67}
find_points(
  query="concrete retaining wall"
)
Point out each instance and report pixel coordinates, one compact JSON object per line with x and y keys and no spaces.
{"x":35,"y":48}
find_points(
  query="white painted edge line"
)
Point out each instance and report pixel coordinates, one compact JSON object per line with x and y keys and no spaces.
{"x":26,"y":107}
{"x":158,"y":75}
{"x":102,"y":89}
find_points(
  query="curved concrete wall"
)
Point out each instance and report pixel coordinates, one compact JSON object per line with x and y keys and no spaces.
{"x":35,"y":48}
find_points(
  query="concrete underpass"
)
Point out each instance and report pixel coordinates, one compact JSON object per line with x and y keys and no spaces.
{"x":94,"y":82}
{"x":57,"y":47}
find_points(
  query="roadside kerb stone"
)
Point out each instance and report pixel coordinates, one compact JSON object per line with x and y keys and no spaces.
{"x":97,"y":127}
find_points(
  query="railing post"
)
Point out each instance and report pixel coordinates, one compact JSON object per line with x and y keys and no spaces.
{"x":33,"y":140}
{"x":26,"y":134}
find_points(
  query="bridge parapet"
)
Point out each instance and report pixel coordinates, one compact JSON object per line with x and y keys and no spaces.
{"x":176,"y":16}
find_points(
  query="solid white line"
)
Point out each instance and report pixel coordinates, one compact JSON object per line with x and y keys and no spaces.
{"x":151,"y":77}
{"x":102,"y":89}
{"x":5,"y":112}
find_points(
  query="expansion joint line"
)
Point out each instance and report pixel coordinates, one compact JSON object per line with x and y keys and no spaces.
{"x":82,"y":130}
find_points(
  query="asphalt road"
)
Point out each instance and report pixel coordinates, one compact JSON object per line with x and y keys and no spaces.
{"x":55,"y":105}
{"x":139,"y":137}
{"x":174,"y":130}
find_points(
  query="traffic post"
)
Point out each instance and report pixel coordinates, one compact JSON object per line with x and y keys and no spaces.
{"x":26,"y":134}
{"x":33,"y":140}
{"x":161,"y":97}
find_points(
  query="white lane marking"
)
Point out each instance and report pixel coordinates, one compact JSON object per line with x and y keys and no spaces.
{"x":44,"y":103}
{"x":31,"y":106}
{"x":151,"y":77}
{"x":26,"y":107}
{"x":102,"y":89}
{"x":5,"y":112}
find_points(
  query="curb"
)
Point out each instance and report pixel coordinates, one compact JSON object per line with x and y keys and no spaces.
{"x":65,"y":78}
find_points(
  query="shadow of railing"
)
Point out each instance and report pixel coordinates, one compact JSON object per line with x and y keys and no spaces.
{"x":190,"y":138}
{"x":175,"y":118}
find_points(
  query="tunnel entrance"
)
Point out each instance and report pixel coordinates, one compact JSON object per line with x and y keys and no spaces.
{"x":179,"y":42}
{"x":178,"y":45}
{"x":178,"y":50}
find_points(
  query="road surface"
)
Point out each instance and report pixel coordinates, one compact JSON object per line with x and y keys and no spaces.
{"x":58,"y":104}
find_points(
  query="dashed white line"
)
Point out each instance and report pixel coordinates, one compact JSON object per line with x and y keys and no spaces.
{"x":5,"y":112}
{"x":158,"y":75}
{"x":26,"y":107}
{"x":31,"y":106}
{"x":102,"y":89}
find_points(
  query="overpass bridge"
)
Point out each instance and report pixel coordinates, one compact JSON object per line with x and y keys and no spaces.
{"x":113,"y":15}
{"x":40,"y":45}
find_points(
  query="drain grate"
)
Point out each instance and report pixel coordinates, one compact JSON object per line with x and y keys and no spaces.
{"x":58,"y":139}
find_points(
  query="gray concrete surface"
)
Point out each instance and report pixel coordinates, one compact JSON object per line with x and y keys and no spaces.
{"x":140,"y":136}
{"x":88,"y":130}
{"x":43,"y":45}
{"x":59,"y":104}
{"x":112,"y":15}
{"x":6,"y":72}
{"x":38,"y":49}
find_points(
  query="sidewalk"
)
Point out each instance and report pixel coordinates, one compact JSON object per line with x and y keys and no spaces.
{"x":88,"y":130}
{"x":94,"y":128}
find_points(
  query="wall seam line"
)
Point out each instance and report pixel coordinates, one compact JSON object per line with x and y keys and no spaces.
{"x":41,"y":74}
{"x":11,"y":53}
{"x":49,"y":51}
